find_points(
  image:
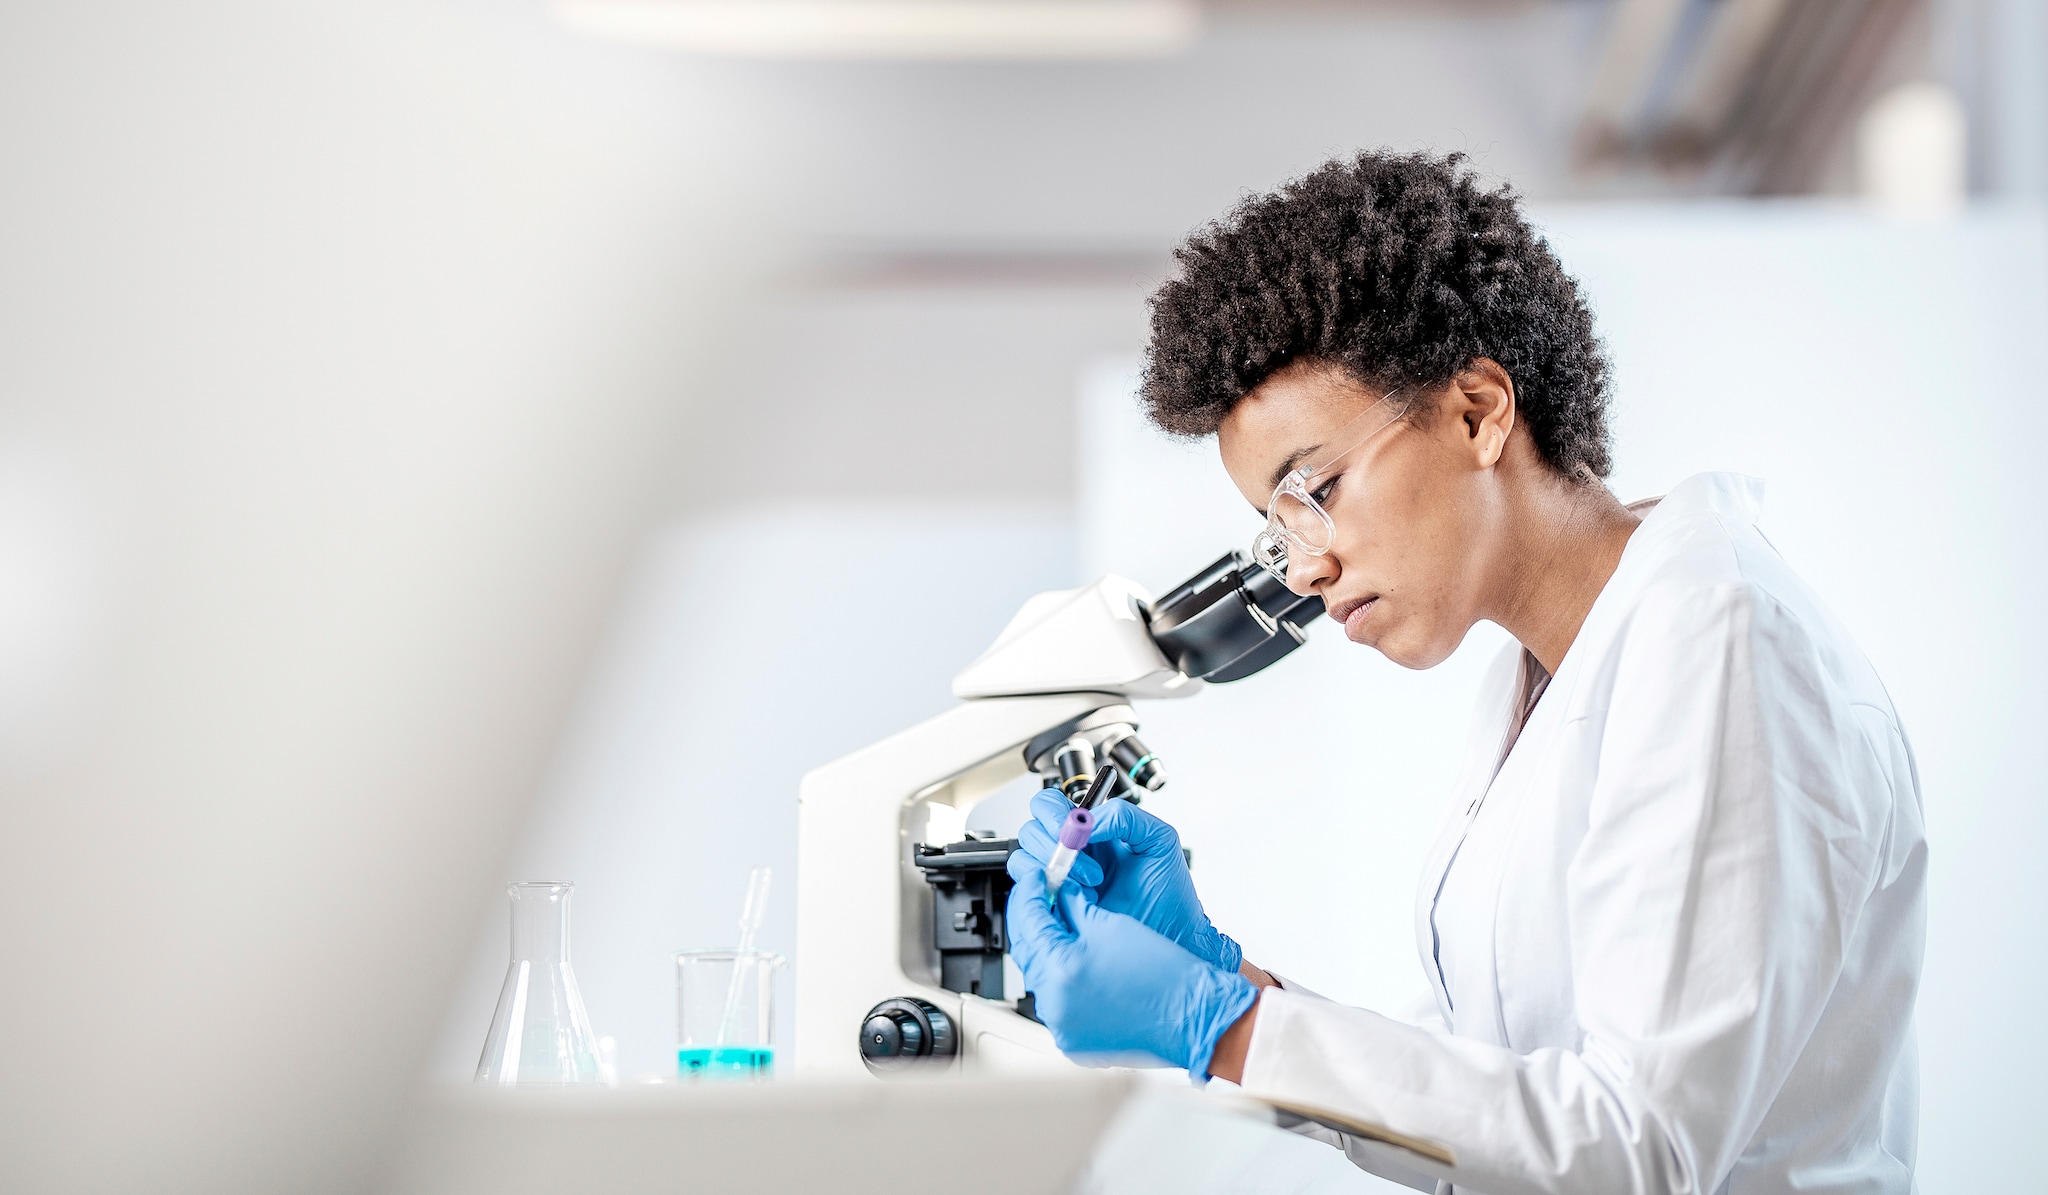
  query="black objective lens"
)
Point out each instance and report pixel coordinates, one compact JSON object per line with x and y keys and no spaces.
{"x":1136,"y":761}
{"x":1075,"y":761}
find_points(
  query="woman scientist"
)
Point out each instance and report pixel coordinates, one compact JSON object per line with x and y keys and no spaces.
{"x":1673,"y":916}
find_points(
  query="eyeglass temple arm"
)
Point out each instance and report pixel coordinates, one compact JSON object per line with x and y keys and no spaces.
{"x":1302,"y":475}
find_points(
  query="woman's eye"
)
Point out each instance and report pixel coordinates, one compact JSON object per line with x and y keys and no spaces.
{"x":1322,"y":492}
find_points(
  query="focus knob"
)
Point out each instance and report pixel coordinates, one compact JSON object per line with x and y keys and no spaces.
{"x":885,"y":1036}
{"x":901,"y":1033}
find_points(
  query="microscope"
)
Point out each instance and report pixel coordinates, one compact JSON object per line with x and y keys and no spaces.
{"x":900,"y":934}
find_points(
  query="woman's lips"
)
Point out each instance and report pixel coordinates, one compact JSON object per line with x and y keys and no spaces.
{"x":1352,"y":613}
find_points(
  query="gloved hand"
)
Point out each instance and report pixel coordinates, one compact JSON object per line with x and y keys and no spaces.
{"x":1133,"y":861}
{"x":1110,"y":988}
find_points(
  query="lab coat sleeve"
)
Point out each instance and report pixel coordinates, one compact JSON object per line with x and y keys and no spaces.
{"x":1731,"y":841}
{"x":1419,"y":1010}
{"x":1369,"y":1156}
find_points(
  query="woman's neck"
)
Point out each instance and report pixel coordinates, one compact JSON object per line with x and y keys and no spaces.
{"x":1564,"y":542}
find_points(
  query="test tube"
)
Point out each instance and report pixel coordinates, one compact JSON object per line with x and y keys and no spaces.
{"x":1073,"y":836}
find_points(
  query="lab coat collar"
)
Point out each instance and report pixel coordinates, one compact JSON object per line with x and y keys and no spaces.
{"x":1735,"y":495}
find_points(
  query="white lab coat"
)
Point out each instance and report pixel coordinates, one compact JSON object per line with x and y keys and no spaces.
{"x":1674,"y":936}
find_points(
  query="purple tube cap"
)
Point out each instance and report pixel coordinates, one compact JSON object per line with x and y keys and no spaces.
{"x":1074,"y":832}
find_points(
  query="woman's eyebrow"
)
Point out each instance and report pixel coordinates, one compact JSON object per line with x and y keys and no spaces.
{"x":1292,"y":459}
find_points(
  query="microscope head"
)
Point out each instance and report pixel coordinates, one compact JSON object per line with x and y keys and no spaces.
{"x":1230,"y":620}
{"x":1224,"y":623}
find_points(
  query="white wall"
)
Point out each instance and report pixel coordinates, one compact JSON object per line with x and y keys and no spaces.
{"x":940,"y":395}
{"x":341,"y":347}
{"x":1880,"y":377}
{"x":1086,"y":154}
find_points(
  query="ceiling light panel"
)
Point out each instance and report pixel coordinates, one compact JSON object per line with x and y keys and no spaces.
{"x":899,"y":29}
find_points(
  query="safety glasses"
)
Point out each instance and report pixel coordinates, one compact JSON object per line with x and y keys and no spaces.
{"x":1295,"y":519}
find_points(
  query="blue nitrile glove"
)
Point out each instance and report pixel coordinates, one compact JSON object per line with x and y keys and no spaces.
{"x":1108,"y":987}
{"x":1133,"y":861}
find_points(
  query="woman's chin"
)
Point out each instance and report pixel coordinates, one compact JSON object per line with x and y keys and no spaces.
{"x":1409,"y":650}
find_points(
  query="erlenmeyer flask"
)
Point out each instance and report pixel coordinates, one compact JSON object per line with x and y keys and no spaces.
{"x":540,"y":1035}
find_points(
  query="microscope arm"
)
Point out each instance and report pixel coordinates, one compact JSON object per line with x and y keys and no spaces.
{"x":864,"y":910}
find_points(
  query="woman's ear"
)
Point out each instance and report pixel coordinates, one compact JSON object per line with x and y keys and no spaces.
{"x":1483,"y":399}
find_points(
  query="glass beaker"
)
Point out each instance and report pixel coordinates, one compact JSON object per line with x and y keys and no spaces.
{"x":540,"y":1035}
{"x":725,"y":1014}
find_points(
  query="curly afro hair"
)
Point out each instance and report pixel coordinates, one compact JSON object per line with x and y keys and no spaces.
{"x":1397,"y":268}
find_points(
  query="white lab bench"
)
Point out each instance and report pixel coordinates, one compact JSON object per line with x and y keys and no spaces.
{"x":1097,"y":1133}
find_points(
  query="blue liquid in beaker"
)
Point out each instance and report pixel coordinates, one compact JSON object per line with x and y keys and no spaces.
{"x":725,"y":1062}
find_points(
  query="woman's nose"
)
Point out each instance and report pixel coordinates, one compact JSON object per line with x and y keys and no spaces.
{"x":1305,"y":571}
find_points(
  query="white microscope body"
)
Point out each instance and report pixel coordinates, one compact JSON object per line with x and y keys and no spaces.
{"x":873,"y":990}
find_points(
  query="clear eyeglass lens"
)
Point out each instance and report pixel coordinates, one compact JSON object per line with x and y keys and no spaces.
{"x":1304,"y":525}
{"x":1269,"y":553}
